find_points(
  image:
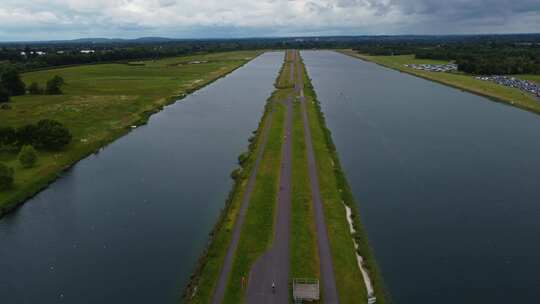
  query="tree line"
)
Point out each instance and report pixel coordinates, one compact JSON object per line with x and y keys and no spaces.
{"x":11,"y":84}
{"x":486,"y":58}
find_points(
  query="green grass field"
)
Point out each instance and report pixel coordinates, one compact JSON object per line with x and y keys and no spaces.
{"x":99,"y":104}
{"x":335,"y":191}
{"x":512,"y":96}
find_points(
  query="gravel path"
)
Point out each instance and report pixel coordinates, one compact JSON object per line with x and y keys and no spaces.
{"x":328,"y":281}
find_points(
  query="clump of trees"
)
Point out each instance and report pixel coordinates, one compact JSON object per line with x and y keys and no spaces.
{"x":53,"y":87}
{"x":10,"y":83}
{"x":28,"y":156}
{"x":6,"y":177}
{"x":47,"y":134}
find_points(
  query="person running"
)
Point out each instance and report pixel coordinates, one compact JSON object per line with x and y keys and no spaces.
{"x":273,"y":287}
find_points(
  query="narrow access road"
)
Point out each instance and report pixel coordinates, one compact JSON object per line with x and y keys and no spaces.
{"x":328,"y":280}
{"x":219,"y":290}
{"x":274,"y":265}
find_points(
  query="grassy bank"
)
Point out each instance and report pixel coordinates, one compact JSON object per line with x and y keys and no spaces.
{"x":496,"y":92}
{"x":100,"y":103}
{"x":335,"y":190}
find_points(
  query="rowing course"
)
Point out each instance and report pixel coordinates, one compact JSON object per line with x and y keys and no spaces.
{"x":128,"y":224}
{"x":445,"y":180}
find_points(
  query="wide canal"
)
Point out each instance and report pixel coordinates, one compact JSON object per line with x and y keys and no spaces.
{"x":128,"y":224}
{"x":448,"y":183}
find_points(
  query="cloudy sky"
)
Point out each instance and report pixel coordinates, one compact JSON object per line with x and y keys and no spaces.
{"x":67,"y":19}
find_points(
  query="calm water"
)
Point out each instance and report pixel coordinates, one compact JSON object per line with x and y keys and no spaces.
{"x":127,"y":225}
{"x":448,"y":182}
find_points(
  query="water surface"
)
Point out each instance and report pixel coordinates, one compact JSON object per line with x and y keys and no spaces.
{"x":448,"y":183}
{"x":128,"y":224}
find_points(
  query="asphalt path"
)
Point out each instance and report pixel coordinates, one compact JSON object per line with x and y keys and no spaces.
{"x":328,"y":281}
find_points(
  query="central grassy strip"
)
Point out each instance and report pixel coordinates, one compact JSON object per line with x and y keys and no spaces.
{"x":335,"y":190}
{"x":304,"y":253}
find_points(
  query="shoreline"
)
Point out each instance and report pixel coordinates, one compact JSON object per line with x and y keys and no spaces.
{"x":31,"y":190}
{"x":491,"y":97}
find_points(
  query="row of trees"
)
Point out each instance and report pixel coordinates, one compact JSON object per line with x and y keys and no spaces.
{"x":47,"y":134}
{"x":475,"y":57}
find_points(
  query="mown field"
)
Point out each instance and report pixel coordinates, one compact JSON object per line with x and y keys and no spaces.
{"x":512,"y":96}
{"x":99,"y":104}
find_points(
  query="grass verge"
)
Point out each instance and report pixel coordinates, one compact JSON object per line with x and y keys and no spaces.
{"x":493,"y":91}
{"x":335,"y":190}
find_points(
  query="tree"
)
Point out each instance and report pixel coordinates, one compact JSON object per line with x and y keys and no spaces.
{"x":4,"y":94}
{"x":52,"y":135}
{"x":11,"y":81}
{"x":27,"y":156}
{"x":35,"y":89}
{"x":8,"y":136}
{"x":6,"y":177}
{"x":27,"y":135}
{"x":54,"y":85}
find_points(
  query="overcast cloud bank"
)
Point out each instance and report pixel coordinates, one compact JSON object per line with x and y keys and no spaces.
{"x":66,"y":19}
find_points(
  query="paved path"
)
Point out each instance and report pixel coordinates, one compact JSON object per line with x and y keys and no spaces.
{"x":274,"y":265}
{"x":219,"y":290}
{"x":328,"y":281}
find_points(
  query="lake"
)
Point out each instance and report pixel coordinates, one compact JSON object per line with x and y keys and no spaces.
{"x":127,"y":225}
{"x":447,"y":182}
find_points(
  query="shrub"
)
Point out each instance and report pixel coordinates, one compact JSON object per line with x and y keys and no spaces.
{"x":27,"y":156}
{"x":8,"y":136}
{"x":27,"y":135}
{"x":35,"y":89}
{"x":4,"y":94}
{"x":52,"y":135}
{"x":54,"y":85}
{"x":6,"y":177}
{"x":11,"y":81}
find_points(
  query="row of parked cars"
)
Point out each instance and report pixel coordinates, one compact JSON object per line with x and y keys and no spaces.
{"x":448,"y":67}
{"x":524,"y":85}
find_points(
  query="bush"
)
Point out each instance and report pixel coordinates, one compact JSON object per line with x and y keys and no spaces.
{"x":11,"y":81}
{"x":4,"y":94}
{"x":27,"y":135}
{"x":54,"y":85}
{"x":6,"y":177}
{"x":52,"y":135}
{"x":27,"y":156}
{"x":7,"y":136}
{"x":35,"y":89}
